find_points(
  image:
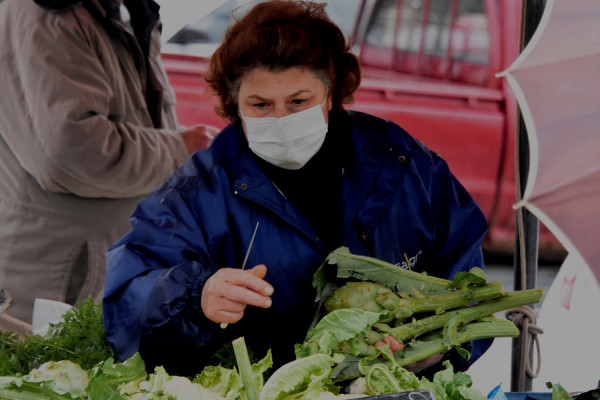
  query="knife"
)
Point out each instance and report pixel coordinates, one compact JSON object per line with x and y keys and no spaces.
{"x":224,"y":324}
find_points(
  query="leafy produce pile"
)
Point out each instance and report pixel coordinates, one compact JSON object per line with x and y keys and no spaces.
{"x":361,"y":300}
{"x":364,"y":299}
{"x":78,"y":337}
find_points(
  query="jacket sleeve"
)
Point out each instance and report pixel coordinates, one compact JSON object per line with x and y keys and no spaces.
{"x":461,"y":225}
{"x":155,"y":275}
{"x":80,"y":146}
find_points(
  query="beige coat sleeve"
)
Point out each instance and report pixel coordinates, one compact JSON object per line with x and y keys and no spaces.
{"x":91,"y":131}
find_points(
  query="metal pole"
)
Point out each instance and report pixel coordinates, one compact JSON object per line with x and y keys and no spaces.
{"x":526,"y":252}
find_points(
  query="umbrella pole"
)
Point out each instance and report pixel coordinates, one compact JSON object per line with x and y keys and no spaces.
{"x":526,"y":235}
{"x":525,"y":277}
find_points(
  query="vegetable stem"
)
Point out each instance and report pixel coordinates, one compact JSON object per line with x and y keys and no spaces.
{"x":405,"y":332}
{"x":245,"y":368}
{"x":472,"y":331}
{"x":405,"y":308}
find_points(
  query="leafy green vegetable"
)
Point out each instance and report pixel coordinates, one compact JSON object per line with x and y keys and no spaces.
{"x":452,"y":319}
{"x":374,"y":299}
{"x":299,"y":376}
{"x":381,"y":379}
{"x":181,"y":388}
{"x":52,"y":380}
{"x":250,"y":388}
{"x":117,"y":373}
{"x":346,"y":266}
{"x":560,"y":393}
{"x":224,"y":381}
{"x":78,"y":337}
{"x":227,"y":382}
{"x":336,"y":327}
{"x":475,"y":276}
{"x":378,"y":298}
{"x":427,"y":315}
{"x":364,"y":295}
{"x":20,"y":389}
{"x":107,"y":381}
{"x":18,"y":355}
{"x":67,"y":377}
{"x":448,"y":385}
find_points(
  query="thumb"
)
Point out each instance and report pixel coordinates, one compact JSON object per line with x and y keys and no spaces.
{"x":259,"y":271}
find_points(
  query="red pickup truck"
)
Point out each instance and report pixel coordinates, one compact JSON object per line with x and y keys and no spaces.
{"x":429,"y":66}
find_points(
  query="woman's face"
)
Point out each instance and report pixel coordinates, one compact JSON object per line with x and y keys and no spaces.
{"x":265,"y":93}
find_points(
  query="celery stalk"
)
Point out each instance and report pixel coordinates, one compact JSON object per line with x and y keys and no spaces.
{"x":420,"y":350}
{"x":245,"y":368}
{"x":405,"y":308}
{"x":464,"y":315}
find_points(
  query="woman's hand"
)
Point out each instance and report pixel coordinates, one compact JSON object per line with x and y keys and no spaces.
{"x":227,"y":293}
{"x":415,"y":367}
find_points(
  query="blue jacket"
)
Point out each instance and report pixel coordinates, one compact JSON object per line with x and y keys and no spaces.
{"x":400,"y":204}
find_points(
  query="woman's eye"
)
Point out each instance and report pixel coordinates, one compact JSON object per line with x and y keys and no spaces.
{"x":299,"y":102}
{"x":259,"y":106}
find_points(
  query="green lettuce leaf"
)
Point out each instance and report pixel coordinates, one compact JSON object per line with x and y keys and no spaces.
{"x":221,"y":380}
{"x":475,"y":276}
{"x":296,"y":377}
{"x":116,"y":373}
{"x":449,"y":385}
{"x":181,"y":388}
{"x":62,"y":376}
{"x":338,"y":326}
{"x":54,"y":380}
{"x":20,"y":389}
{"x":341,"y":264}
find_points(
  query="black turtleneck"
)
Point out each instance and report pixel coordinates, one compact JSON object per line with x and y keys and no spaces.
{"x":316,"y":188}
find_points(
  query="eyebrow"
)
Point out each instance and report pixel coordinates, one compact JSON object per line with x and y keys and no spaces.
{"x":260,"y":98}
{"x":298,"y":93}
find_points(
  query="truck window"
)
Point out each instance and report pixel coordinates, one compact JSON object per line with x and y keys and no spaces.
{"x":203,"y":36}
{"x":447,"y":39}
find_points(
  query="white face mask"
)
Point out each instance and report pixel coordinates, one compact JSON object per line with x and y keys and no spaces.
{"x":288,"y":142}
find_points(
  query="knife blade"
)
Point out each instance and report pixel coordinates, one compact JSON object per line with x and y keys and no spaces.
{"x":224,"y":324}
{"x":250,"y":246}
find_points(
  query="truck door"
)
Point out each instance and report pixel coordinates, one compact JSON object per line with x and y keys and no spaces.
{"x":429,"y":66}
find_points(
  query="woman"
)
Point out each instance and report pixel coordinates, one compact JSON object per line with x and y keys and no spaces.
{"x":310,"y":174}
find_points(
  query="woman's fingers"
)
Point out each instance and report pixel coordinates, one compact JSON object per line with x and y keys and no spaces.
{"x":259,"y":271}
{"x":245,"y":293}
{"x":227,"y":293}
{"x":248,"y":286}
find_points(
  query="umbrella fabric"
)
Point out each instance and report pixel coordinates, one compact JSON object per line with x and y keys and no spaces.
{"x":556,"y":80}
{"x":570,"y":324}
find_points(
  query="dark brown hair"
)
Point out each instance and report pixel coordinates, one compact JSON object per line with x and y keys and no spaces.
{"x":277,"y":35}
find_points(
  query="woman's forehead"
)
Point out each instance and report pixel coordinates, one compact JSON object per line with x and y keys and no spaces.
{"x":265,"y":83}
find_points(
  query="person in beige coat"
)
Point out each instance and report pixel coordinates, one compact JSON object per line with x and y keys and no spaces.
{"x":87,"y":127}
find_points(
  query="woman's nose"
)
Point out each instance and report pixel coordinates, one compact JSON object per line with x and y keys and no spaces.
{"x":280,"y":111}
